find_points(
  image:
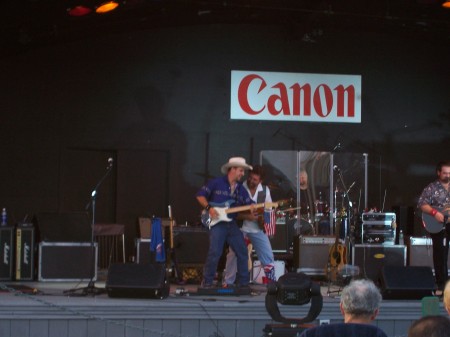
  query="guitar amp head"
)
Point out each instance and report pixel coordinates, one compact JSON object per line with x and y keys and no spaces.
{"x":379,"y":218}
{"x":378,"y":228}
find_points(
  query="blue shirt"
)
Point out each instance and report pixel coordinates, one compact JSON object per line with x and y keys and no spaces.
{"x":218,"y":192}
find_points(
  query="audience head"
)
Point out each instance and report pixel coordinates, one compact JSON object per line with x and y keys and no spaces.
{"x":360,"y":301}
{"x":430,"y":326}
{"x":447,"y":297}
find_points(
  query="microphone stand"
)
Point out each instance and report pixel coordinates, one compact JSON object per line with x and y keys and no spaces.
{"x":91,"y":289}
{"x":346,"y":223}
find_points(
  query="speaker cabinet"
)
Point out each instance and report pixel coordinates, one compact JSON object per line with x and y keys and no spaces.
{"x":311,"y":253}
{"x":279,"y":241}
{"x":67,"y":261}
{"x":420,"y":252}
{"x":6,"y":253}
{"x":25,"y":253}
{"x":406,"y":282}
{"x":137,"y":281}
{"x":143,"y":253}
{"x":371,"y":258}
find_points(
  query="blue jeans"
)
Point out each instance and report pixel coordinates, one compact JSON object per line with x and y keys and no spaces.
{"x":219,"y":234}
{"x":263,"y":250}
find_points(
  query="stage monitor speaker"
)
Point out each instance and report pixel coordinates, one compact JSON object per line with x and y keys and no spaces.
{"x":407,"y":282}
{"x":371,"y":258}
{"x":137,"y":280}
{"x":6,"y":253}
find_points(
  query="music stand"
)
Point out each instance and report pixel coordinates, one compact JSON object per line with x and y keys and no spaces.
{"x":91,"y":289}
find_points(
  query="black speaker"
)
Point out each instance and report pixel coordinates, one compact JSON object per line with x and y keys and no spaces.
{"x":279,"y":241}
{"x":407,"y":282}
{"x":137,"y":280}
{"x":6,"y":253}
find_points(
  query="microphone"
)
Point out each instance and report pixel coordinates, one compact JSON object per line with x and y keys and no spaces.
{"x":110,"y":162}
{"x":336,"y":168}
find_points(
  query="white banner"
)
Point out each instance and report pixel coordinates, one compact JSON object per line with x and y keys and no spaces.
{"x":295,"y":97}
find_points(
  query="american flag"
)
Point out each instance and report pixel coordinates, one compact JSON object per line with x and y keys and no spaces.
{"x":269,"y":221}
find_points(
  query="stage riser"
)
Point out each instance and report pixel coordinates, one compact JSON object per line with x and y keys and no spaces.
{"x":178,"y":316}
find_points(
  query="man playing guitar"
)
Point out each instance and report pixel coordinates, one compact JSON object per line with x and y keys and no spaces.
{"x":252,"y":229}
{"x":222,"y":190}
{"x":433,"y":202}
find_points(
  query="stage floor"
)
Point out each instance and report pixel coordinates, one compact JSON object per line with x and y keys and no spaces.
{"x":54,"y":309}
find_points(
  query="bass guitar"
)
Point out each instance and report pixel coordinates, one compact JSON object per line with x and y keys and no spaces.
{"x":431,"y":224}
{"x":224,"y":209}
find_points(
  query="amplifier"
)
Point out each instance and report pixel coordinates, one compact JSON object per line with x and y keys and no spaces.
{"x":378,"y":228}
{"x":68,"y":261}
{"x":420,"y":252}
{"x":25,"y":249}
{"x":379,"y":218}
{"x":329,"y":240}
{"x":311,"y":253}
{"x":6,"y":253}
{"x":143,"y":253}
{"x":371,"y":258}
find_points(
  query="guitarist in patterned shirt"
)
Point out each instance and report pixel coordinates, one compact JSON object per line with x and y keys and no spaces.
{"x":434,"y":203}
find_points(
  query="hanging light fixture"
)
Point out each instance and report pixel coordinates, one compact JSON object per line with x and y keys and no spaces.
{"x":446,"y":4}
{"x":106,"y":7}
{"x":79,"y":10}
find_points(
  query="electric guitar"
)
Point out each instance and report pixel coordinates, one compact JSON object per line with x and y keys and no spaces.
{"x":224,"y":209}
{"x":431,"y":224}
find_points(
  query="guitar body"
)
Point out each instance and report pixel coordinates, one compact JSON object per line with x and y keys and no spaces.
{"x":221,"y":209}
{"x":337,"y":255}
{"x":431,"y":224}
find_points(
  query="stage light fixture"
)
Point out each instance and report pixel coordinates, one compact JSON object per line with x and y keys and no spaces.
{"x":294,"y":289}
{"x":79,"y":10}
{"x":106,"y":7}
{"x":446,"y":4}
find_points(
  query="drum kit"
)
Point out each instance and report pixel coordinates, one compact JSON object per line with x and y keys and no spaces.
{"x":303,"y":221}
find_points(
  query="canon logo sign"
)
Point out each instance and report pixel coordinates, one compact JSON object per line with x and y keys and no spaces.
{"x":295,"y":97}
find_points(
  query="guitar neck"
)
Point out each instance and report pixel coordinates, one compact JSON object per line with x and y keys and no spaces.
{"x":247,"y":207}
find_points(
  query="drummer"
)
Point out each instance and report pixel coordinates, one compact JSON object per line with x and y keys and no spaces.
{"x":313,"y":208}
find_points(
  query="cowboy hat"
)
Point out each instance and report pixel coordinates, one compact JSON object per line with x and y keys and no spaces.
{"x":235,"y":162}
